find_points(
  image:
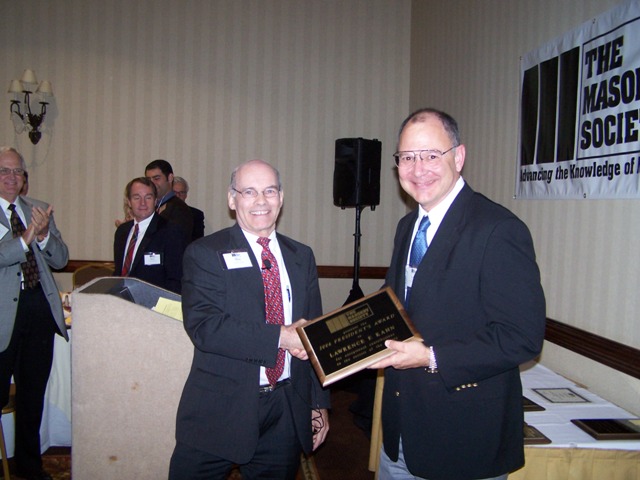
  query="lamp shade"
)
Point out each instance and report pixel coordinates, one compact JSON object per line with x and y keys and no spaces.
{"x":45,"y":88}
{"x":15,"y":87}
{"x":29,"y":76}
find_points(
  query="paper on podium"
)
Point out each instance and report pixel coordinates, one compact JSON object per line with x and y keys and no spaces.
{"x":170,"y":308}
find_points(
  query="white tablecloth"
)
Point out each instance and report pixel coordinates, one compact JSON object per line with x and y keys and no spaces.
{"x":56,"y":418}
{"x":555,"y":421}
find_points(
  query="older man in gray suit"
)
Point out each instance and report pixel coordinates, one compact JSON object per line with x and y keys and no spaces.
{"x":30,"y":307}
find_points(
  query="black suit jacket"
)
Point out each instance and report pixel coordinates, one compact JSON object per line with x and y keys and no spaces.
{"x":178,"y":212}
{"x":163,"y":238}
{"x":224,"y":315}
{"x":476,"y":297}
{"x":198,"y":223}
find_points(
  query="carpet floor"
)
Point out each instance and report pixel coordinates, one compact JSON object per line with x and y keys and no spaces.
{"x":344,"y":455}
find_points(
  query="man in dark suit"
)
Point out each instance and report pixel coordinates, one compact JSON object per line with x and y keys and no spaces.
{"x":30,"y":306}
{"x":181,"y":189}
{"x":168,"y":205}
{"x":148,"y":247}
{"x":232,"y":410}
{"x":452,"y":406}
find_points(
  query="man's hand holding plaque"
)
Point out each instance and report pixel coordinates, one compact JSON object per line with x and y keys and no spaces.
{"x":354,"y":337}
{"x":405,"y":355}
{"x":290,"y":340}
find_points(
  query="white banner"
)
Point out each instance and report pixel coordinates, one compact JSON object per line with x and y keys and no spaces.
{"x":580,"y":112}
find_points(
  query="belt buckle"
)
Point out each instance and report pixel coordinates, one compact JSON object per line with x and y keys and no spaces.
{"x":271,"y":388}
{"x":266,"y":388}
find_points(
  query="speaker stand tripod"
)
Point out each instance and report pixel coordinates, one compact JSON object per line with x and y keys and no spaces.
{"x":356,"y":292}
{"x":361,"y":383}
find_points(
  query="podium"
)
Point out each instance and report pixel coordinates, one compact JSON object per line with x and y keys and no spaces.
{"x":129,"y":365}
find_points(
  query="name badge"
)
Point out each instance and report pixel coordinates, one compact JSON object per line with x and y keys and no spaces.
{"x":151,"y":258}
{"x":409,"y":273}
{"x":236,"y":259}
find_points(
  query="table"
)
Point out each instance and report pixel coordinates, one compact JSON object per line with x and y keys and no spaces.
{"x":56,"y":416}
{"x":573,"y":453}
{"x":555,"y":421}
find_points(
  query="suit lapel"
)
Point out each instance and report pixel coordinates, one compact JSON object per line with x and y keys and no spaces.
{"x":448,"y":233}
{"x":405,"y":245}
{"x":144,"y":243}
{"x":295,"y":272}
{"x":4,"y":221}
{"x":250,"y":278}
{"x":26,"y":209}
{"x":441,"y":245}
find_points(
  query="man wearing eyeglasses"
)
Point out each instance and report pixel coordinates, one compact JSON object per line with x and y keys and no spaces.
{"x":30,"y":306}
{"x":181,"y":190}
{"x":466,"y":269}
{"x":251,"y":398}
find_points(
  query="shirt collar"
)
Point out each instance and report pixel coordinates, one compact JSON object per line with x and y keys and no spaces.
{"x":144,"y":223}
{"x":5,"y":205}
{"x":437,"y":213}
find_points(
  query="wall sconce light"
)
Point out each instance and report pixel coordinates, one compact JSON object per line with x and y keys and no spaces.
{"x":23,"y":119}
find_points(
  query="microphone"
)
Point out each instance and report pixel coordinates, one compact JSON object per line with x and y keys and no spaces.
{"x":267,"y":264}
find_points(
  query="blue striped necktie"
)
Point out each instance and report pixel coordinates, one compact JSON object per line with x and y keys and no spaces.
{"x":419,"y":246}
{"x":418,"y":249}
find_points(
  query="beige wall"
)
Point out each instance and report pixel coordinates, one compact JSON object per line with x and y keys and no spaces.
{"x":465,"y":59}
{"x":206,"y":85}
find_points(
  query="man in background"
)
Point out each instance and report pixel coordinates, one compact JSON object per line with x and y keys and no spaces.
{"x":181,"y":189}
{"x":169,"y":206}
{"x":148,"y":247}
{"x":251,"y":398}
{"x":30,"y":307}
{"x":452,"y":406}
{"x":25,"y":188}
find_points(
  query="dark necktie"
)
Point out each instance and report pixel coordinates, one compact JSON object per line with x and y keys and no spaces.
{"x":130,"y":249}
{"x":30,"y":267}
{"x":273,"y":302}
{"x":418,"y":249}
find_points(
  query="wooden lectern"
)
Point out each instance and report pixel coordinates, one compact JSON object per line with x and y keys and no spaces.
{"x":129,"y":365}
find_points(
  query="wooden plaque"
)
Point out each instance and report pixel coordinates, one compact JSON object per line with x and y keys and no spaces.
{"x":610,"y":428}
{"x":351,"y":338}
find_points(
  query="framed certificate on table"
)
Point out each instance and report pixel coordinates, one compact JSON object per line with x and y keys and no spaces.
{"x":352,"y":338}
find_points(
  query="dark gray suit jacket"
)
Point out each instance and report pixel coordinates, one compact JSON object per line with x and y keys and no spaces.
{"x":224,"y":315}
{"x":55,"y":255}
{"x":476,"y":297}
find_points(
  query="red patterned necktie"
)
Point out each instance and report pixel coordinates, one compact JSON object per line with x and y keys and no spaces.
{"x":273,"y":302}
{"x":30,"y":270}
{"x":129,"y":257}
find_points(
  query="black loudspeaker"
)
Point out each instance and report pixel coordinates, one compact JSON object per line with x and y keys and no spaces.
{"x":356,"y":177}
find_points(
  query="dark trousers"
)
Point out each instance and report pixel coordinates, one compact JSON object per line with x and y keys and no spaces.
{"x":28,"y":358}
{"x":277,"y":456}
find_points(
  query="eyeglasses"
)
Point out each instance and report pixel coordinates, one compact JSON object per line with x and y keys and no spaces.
{"x":8,"y":171}
{"x":268,"y":192}
{"x":408,"y":158}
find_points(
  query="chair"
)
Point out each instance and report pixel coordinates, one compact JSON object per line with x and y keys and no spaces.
{"x":10,"y":407}
{"x":88,"y":272}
